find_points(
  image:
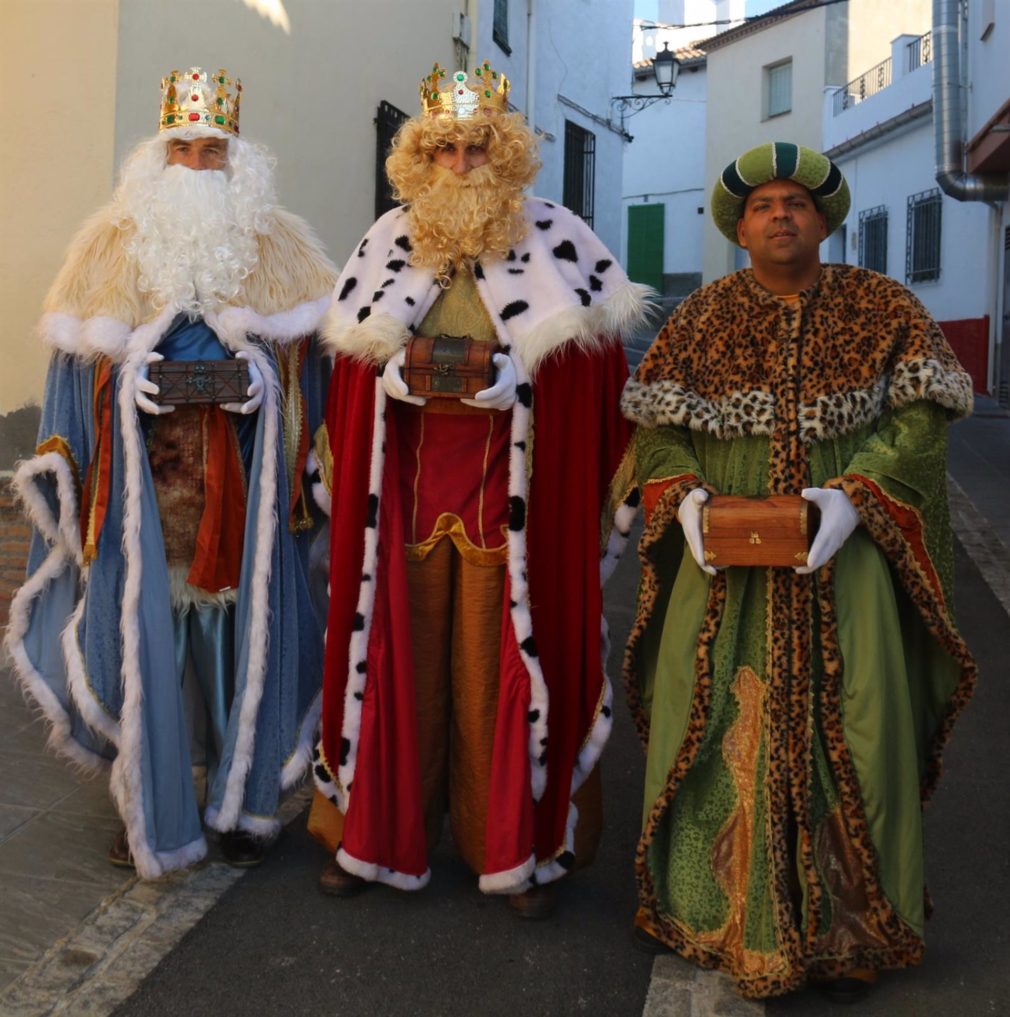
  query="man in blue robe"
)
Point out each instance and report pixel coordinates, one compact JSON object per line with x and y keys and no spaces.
{"x":166,"y":625}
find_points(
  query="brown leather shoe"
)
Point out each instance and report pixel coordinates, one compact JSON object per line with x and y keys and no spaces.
{"x":242,"y":850}
{"x":336,"y":881}
{"x":119,"y":851}
{"x":536,"y":903}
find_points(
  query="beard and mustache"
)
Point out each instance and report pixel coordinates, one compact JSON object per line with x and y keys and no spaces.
{"x":194,"y":237}
{"x":456,"y":219}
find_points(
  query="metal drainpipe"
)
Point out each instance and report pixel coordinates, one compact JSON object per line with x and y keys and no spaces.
{"x":948,"y":122}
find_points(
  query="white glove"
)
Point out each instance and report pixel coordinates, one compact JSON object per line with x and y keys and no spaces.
{"x":254,"y":391}
{"x":393,"y":383}
{"x":689,"y":513}
{"x":144,"y":387}
{"x":838,"y":520}
{"x":502,"y":394}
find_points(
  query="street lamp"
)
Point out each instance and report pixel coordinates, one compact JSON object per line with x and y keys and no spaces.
{"x":665,"y":67}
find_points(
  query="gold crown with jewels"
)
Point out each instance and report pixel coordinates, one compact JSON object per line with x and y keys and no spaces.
{"x":196,"y":99}
{"x":456,"y":96}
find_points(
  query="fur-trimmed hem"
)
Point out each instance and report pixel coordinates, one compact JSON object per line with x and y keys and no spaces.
{"x":169,"y":861}
{"x":64,"y":531}
{"x":264,"y":828}
{"x":928,"y":379}
{"x":379,"y":874}
{"x":509,"y":881}
{"x":298,"y":762}
{"x":233,"y":324}
{"x":372,"y":341}
{"x":184,"y":597}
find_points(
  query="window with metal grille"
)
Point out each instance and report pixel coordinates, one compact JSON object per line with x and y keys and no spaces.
{"x":922,"y":245}
{"x":779,"y":88}
{"x":580,"y":170}
{"x":387,"y":121}
{"x":500,"y":25}
{"x":873,"y":238}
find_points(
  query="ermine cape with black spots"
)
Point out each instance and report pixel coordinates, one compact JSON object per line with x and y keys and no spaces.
{"x":560,"y":305}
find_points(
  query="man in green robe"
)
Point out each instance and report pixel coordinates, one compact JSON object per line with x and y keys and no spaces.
{"x":793,"y":717}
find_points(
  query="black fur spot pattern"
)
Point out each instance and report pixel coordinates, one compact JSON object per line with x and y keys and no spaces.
{"x":565,"y":251}
{"x":514,"y":308}
{"x":345,"y":290}
{"x":517,"y":513}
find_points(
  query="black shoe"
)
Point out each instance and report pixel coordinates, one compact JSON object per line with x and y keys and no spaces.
{"x":242,"y":849}
{"x":646,"y":942}
{"x":851,"y":988}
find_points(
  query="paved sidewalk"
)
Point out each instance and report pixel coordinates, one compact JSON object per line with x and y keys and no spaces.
{"x":72,"y":928}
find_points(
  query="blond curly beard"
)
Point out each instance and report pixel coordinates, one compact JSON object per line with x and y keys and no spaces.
{"x":456,"y":219}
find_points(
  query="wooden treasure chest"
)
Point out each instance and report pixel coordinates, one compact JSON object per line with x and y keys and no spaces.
{"x":448,"y":366}
{"x":182,"y":382}
{"x":776,"y":530}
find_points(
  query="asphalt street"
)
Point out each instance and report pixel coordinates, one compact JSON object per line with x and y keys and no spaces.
{"x":275,"y":945}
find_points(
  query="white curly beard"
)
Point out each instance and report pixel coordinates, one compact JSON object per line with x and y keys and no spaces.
{"x":194,"y":235}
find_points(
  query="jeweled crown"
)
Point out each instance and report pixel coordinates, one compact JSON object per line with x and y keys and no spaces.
{"x":459,"y":97}
{"x":194,"y":99}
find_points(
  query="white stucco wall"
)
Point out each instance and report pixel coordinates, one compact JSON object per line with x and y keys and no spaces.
{"x":580,"y":53}
{"x":888,"y":173}
{"x":666,"y":164}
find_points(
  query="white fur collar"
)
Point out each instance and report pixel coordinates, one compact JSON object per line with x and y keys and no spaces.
{"x":558,"y":285}
{"x":110,"y":337}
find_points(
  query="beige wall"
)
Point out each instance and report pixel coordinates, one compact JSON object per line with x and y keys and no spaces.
{"x":310,"y":95}
{"x":58,"y":72}
{"x":93,"y":69}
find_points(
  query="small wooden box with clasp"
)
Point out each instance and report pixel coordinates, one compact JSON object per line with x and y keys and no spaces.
{"x":182,"y":382}
{"x":776,"y":530}
{"x":448,"y":366}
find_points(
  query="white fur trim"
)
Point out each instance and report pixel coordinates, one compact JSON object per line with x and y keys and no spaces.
{"x":509,"y":880}
{"x":519,"y":607}
{"x":322,"y":498}
{"x":65,"y":531}
{"x":233,"y":324}
{"x":552,"y":869}
{"x":374,"y":340}
{"x":378,"y":874}
{"x":259,"y":621}
{"x":78,"y":688}
{"x":126,"y":782}
{"x":358,"y":648}
{"x":265,"y":828}
{"x":32,"y":683}
{"x":624,"y":519}
{"x":298,"y":762}
{"x":166,"y":861}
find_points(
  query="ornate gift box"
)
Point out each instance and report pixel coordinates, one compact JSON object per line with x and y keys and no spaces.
{"x":758,"y":531}
{"x":200,"y":381}
{"x":448,"y":366}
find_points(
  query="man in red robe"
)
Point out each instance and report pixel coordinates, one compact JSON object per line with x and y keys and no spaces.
{"x":465,"y":644}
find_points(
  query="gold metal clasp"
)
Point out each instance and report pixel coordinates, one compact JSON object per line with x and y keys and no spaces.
{"x":754,"y":537}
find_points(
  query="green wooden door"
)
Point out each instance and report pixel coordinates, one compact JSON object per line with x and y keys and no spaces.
{"x":645,"y":244}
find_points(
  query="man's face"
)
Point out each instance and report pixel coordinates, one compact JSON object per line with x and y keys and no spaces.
{"x":460,"y":157}
{"x":781,"y":227}
{"x":198,"y":153}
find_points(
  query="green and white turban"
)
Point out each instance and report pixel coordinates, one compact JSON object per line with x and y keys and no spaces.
{"x":779,"y":160}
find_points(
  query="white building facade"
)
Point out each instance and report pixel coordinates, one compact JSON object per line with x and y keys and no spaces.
{"x":950,"y":253}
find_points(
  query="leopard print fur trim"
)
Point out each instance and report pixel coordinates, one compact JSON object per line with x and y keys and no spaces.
{"x":663,"y":516}
{"x":929,"y":602}
{"x":900,"y":936}
{"x":828,"y":416}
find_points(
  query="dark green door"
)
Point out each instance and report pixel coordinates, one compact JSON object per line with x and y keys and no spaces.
{"x":645,"y":244}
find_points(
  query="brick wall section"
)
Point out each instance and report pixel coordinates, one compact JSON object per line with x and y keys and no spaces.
{"x":14,"y":535}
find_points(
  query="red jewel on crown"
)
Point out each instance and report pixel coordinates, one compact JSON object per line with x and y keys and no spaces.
{"x":194,"y":116}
